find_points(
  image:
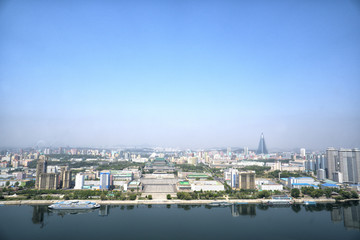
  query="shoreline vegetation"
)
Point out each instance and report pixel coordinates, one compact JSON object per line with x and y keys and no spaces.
{"x":160,"y":201}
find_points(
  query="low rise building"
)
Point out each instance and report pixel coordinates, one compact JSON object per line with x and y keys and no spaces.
{"x":267,"y":184}
{"x":135,"y":185}
{"x":197,"y":176}
{"x":207,"y":186}
{"x":183,"y":186}
{"x":301,"y":185}
{"x":301,"y":182}
{"x":329,"y":185}
{"x":271,"y":187}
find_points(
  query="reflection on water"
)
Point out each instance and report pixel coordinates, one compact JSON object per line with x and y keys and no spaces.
{"x":38,"y":214}
{"x":243,"y":210}
{"x":348,"y":213}
{"x":104,"y":210}
{"x":62,"y":213}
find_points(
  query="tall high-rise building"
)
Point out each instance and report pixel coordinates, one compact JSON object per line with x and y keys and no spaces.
{"x":234,"y":178}
{"x":310,"y":165}
{"x":302,"y":153}
{"x":48,"y":177}
{"x":65,"y":177}
{"x":349,"y":165}
{"x":262,"y":146}
{"x":246,"y":151}
{"x":48,"y":181}
{"x":331,"y":162}
{"x":247,"y":180}
{"x":79,"y":181}
{"x":104,"y":180}
{"x":338,"y":177}
{"x":319,"y":162}
{"x":343,"y":165}
{"x":40,"y":169}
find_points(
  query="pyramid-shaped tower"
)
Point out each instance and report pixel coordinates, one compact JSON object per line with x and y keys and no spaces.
{"x":262,"y":146}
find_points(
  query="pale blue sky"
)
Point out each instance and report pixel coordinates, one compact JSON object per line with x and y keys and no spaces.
{"x":180,"y":73}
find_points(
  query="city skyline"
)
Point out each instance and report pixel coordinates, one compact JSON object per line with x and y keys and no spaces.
{"x":180,"y":74}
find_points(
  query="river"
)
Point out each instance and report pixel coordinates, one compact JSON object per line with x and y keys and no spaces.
{"x":323,"y":221}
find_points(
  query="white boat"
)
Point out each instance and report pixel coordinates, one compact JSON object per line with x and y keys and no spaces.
{"x":74,"y":205}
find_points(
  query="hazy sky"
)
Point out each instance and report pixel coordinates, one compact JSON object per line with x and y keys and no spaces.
{"x":180,"y":73}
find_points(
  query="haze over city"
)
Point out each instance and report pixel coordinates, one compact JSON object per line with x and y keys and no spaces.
{"x":180,"y":73}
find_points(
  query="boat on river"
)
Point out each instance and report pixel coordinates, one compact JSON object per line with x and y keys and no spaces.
{"x":307,"y":203}
{"x":74,"y":205}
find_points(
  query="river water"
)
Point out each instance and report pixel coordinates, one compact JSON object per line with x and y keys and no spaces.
{"x":324,"y":221}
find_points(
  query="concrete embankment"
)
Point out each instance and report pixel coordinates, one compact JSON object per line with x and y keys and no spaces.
{"x":155,"y":201}
{"x":318,"y":200}
{"x":119,"y":202}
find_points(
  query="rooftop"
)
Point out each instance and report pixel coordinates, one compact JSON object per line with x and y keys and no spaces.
{"x":329,"y":185}
{"x":184,"y":183}
{"x":207,"y":183}
{"x":197,"y":176}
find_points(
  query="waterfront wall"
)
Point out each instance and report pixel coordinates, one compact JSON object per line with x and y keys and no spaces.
{"x":119,"y":202}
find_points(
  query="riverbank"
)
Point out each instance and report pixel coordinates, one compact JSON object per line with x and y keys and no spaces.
{"x":173,"y":201}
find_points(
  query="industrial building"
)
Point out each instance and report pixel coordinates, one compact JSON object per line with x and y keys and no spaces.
{"x":301,"y":182}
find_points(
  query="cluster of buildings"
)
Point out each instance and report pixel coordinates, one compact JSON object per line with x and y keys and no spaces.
{"x":336,"y":166}
{"x":51,"y":177}
{"x":108,"y":179}
{"x":190,"y":181}
{"x":239,"y":179}
{"x":11,"y":160}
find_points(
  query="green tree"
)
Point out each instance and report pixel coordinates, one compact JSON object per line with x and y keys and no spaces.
{"x":328,"y":192}
{"x":16,"y":184}
{"x":133,"y":197}
{"x":316,"y":193}
{"x":150,"y":197}
{"x":354,"y":194}
{"x":168,"y":197}
{"x":103,"y":196}
{"x":295,"y":192}
{"x":345,"y":194}
{"x":263,"y":194}
{"x":7,"y":183}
